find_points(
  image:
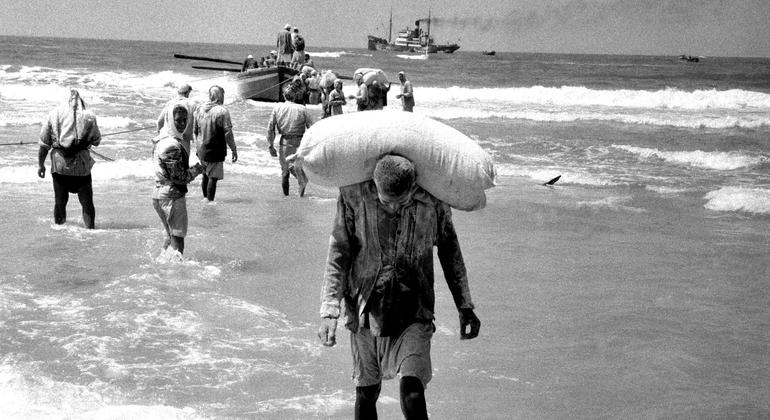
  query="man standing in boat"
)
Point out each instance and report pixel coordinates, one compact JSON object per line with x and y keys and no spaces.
{"x":284,"y":44}
{"x":214,"y":132}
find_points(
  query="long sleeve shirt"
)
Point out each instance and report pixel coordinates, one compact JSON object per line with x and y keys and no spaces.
{"x":70,"y":133}
{"x":213,"y":130}
{"x":289,"y":119}
{"x":172,"y":174}
{"x":336,"y":100}
{"x":365,"y":243}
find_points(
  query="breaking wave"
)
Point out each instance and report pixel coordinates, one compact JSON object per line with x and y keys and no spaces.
{"x":721,"y":161}
{"x":739,"y":199}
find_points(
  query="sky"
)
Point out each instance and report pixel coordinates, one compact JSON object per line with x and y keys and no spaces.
{"x":647,"y":27}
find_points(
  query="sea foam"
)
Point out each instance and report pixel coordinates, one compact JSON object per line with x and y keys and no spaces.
{"x":722,"y":161}
{"x":739,"y":199}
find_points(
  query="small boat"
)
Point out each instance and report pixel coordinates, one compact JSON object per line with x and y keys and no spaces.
{"x":264,"y":84}
{"x":485,"y":52}
{"x":689,"y":58}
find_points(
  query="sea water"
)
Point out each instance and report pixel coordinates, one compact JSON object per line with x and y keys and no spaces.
{"x":636,"y":286}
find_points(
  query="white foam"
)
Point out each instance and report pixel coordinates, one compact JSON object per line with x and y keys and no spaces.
{"x":739,"y":199}
{"x":317,"y":404}
{"x":579,"y":96}
{"x":664,"y":190}
{"x":413,"y":57}
{"x":542,"y":175}
{"x":613,"y":203}
{"x":722,"y":161}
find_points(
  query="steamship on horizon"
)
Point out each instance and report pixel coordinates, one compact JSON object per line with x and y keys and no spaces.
{"x":410,"y":40}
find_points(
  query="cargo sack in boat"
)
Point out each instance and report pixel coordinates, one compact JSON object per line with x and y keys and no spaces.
{"x":344,"y":149}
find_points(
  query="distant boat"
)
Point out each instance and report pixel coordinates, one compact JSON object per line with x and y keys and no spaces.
{"x":410,"y":40}
{"x":689,"y":58}
{"x":485,"y":52}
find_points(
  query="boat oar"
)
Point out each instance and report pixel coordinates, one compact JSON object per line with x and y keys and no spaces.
{"x":215,"y":60}
{"x":217,"y":68}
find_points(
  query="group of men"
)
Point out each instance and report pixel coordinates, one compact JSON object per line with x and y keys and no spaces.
{"x":290,"y":47}
{"x":380,"y":255}
{"x":375,"y":96}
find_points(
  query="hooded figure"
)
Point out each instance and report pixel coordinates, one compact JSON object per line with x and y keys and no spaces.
{"x":70,"y":130}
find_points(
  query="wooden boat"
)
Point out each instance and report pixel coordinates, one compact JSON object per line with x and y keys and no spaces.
{"x":264,"y":84}
{"x":488,"y":52}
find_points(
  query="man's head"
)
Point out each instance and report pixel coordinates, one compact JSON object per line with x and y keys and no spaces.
{"x":184,"y":90}
{"x":296,"y":30}
{"x":217,"y":94}
{"x":401,"y":76}
{"x":395,"y":179}
{"x":358,"y":78}
{"x":338,"y":84}
{"x":180,"y":118}
{"x":307,"y":57}
{"x":287,"y":27}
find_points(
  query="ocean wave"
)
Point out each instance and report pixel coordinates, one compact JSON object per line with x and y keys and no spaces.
{"x":578,"y":96}
{"x":542,"y":175}
{"x":721,"y":121}
{"x":722,"y":161}
{"x":739,"y":199}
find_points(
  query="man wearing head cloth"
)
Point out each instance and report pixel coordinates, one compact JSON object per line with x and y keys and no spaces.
{"x":69,"y":132}
{"x":166,"y":117}
{"x":214,"y":133}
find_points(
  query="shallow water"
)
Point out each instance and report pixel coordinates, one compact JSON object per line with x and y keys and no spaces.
{"x":635,"y":287}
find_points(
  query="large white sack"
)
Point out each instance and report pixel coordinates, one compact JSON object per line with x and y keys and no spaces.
{"x":372,"y":75}
{"x":343,"y":150}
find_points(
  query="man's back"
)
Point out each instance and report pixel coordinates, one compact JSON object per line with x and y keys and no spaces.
{"x":212,"y":122}
{"x":290,"y":119}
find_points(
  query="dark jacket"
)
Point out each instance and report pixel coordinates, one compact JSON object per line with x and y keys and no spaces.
{"x":355,"y":270}
{"x":213,"y":131}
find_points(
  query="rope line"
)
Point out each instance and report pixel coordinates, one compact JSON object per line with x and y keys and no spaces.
{"x":148,"y":127}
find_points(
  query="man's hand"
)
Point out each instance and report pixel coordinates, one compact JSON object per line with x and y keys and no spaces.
{"x":41,"y":171}
{"x":235,"y":156}
{"x":468,"y":318}
{"x":327,"y":333}
{"x":273,"y":153}
{"x":399,"y":96}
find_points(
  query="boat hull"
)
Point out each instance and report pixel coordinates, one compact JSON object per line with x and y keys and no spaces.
{"x":264,"y":84}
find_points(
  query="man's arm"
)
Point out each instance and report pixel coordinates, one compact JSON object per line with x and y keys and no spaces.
{"x":338,"y":264}
{"x":45,"y":145}
{"x":453,"y":265}
{"x":229,"y":138}
{"x":271,"y":134}
{"x":161,"y":119}
{"x":41,"y":155}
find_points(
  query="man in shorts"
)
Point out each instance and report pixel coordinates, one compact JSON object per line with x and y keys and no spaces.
{"x":214,"y":133}
{"x":380,"y":263}
{"x":290,"y":119}
{"x":171,"y":160}
{"x":69,"y":132}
